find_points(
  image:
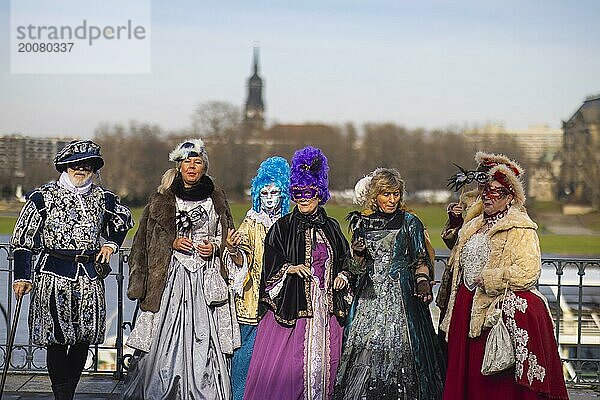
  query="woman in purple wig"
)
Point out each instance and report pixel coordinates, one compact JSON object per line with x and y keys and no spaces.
{"x":304,"y":297}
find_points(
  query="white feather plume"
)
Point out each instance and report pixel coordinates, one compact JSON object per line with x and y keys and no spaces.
{"x":361,"y":189}
{"x":181,"y":152}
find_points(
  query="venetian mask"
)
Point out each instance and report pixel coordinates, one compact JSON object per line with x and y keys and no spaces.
{"x":270,"y":198}
{"x":304,"y":193}
{"x":494,"y":193}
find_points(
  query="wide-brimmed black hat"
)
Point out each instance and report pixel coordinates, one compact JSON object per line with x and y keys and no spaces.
{"x":79,"y":151}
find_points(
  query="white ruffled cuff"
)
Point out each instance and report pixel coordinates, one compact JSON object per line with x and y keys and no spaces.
{"x":237,"y":273}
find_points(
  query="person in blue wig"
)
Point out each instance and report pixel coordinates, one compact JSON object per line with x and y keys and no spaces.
{"x":303,"y":297}
{"x":270,"y":201}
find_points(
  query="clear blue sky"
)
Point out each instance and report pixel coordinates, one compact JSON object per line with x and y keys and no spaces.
{"x":422,"y":63}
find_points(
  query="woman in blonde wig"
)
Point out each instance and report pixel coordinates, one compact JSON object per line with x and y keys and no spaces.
{"x":182,"y":233}
{"x":391,"y":351}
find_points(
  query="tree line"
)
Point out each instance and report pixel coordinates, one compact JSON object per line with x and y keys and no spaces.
{"x":136,"y":155}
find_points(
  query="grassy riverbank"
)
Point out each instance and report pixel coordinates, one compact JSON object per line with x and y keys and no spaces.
{"x":433,"y":216}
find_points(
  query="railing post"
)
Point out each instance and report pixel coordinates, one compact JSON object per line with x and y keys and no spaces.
{"x":581,"y":272}
{"x":119,"y":341}
{"x":9,"y":294}
{"x":559,"y":274}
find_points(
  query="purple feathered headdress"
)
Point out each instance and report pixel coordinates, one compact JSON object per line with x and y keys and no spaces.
{"x":310,"y":169}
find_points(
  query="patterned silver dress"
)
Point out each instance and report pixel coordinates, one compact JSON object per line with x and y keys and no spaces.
{"x":391,"y":351}
{"x":185,"y":341}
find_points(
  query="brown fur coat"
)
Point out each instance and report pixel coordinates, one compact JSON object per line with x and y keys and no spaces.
{"x":152,"y":246}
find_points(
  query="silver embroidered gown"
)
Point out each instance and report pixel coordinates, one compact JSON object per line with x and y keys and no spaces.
{"x":185,"y":359}
{"x":391,"y":351}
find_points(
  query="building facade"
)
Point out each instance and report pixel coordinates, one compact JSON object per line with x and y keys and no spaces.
{"x":580,"y":172}
{"x":27,"y":161}
{"x":539,"y":145}
{"x":538,"y":142}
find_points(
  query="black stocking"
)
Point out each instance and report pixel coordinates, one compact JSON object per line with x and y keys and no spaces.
{"x":66,"y":365}
{"x":76,"y":357}
{"x":58,"y":366}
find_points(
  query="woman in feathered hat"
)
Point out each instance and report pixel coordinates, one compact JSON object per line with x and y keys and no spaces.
{"x":471,"y":204}
{"x":244,"y":257}
{"x":303,"y":294}
{"x":391,"y":350}
{"x":496,"y":263}
{"x":184,"y":333}
{"x":470,"y":201}
{"x":62,"y":222}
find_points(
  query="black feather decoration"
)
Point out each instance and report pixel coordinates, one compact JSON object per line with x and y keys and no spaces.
{"x":464,"y":177}
{"x":316,"y":165}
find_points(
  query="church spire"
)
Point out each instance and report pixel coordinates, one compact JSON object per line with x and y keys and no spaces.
{"x":255,"y":108}
{"x":256,"y":49}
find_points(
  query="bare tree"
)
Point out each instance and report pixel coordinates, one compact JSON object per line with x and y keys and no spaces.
{"x":214,"y":118}
{"x":135,"y":159}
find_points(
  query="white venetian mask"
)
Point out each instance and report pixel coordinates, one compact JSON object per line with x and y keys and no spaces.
{"x":270,"y":198}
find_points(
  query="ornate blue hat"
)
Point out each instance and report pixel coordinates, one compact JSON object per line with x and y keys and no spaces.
{"x":78,"y":151}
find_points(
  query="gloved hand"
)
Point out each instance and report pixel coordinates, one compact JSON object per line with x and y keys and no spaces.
{"x":359,"y":248}
{"x":423,"y":285}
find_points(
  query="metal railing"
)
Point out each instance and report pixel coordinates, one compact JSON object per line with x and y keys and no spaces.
{"x":572,"y":287}
{"x":29,"y":358}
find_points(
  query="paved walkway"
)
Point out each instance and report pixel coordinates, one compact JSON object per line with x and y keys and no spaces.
{"x":101,"y":387}
{"x":91,"y":387}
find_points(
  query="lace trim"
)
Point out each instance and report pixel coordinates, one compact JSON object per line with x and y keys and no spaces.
{"x":262,"y":218}
{"x":279,"y":275}
{"x":316,"y":348}
{"x":473,"y":258}
{"x":520,"y":337}
{"x":274,"y":291}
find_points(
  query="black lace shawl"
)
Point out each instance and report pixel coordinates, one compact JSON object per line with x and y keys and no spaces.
{"x":285,"y":244}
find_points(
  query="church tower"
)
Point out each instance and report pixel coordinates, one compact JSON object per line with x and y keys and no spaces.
{"x":254,"y":111}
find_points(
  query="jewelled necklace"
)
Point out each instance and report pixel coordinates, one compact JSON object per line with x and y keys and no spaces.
{"x":490,"y":220}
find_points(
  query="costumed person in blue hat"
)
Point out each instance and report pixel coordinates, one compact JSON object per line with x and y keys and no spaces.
{"x":304,"y":297}
{"x":187,"y":327}
{"x":244,"y":256}
{"x":391,"y":351}
{"x":63,"y":222}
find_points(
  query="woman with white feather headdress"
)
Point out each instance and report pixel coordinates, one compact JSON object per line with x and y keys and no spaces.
{"x":184,"y":330}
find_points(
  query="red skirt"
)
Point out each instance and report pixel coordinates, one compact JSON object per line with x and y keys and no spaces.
{"x":541,"y":372}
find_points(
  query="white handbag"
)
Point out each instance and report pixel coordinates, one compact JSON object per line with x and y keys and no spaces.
{"x":499,"y":352}
{"x":215,"y":288}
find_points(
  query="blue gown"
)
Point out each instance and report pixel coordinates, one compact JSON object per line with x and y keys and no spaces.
{"x":391,"y":350}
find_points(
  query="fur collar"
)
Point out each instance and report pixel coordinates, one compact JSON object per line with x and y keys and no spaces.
{"x":162,"y":207}
{"x":515,"y":218}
